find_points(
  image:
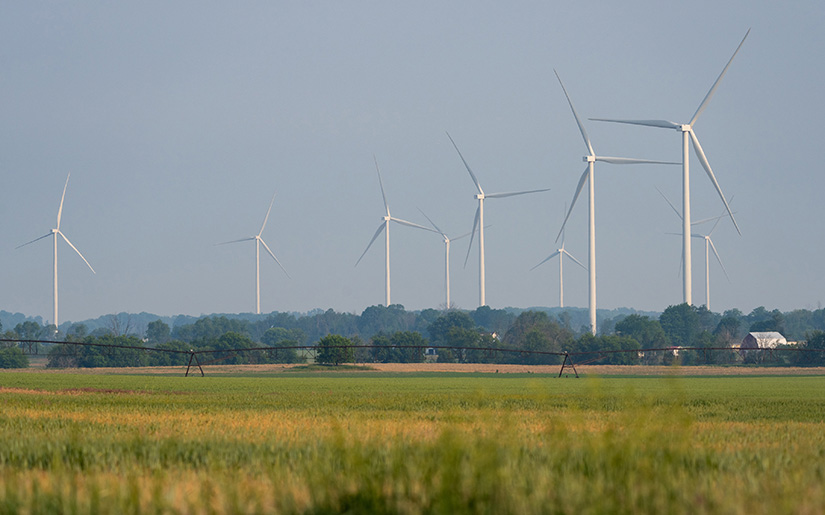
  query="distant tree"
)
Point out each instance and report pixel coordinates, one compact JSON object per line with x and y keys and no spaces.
{"x":492,"y":320}
{"x":334,"y":349}
{"x":210,"y":328}
{"x":762,"y":320}
{"x":276,"y":335}
{"x":28,"y":330}
{"x":648,"y":333}
{"x":400,"y":347}
{"x":815,"y":341}
{"x":728,"y":329}
{"x":13,"y":357}
{"x":537,"y":330}
{"x":590,"y":343}
{"x":440,"y":328}
{"x":77,"y":332}
{"x":232,"y":341}
{"x":158,"y":332}
{"x":161,"y":359}
{"x":279,"y":338}
{"x":680,"y":324}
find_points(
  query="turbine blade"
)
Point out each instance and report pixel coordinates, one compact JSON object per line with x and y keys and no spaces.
{"x":381,"y":183}
{"x":34,"y":240}
{"x":671,"y":205}
{"x":472,"y":235}
{"x":574,"y":259}
{"x":718,"y":258}
{"x":432,"y":223}
{"x":273,"y":257}
{"x":545,"y":260}
{"x":472,"y":175}
{"x":411,"y":224}
{"x":235,"y":241}
{"x":469,"y":233}
{"x":632,"y":161}
{"x":267,"y":215}
{"x":374,"y":236}
{"x":62,"y":197}
{"x":78,"y":252}
{"x":718,"y":219}
{"x":578,"y":190}
{"x":711,"y":219}
{"x":704,"y":103}
{"x":513,"y":193}
{"x":704,"y":160}
{"x":576,"y":116}
{"x":647,"y":123}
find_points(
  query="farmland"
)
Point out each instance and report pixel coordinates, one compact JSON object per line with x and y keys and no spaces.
{"x":410,"y":443}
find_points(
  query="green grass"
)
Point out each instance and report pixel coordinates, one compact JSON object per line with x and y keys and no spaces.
{"x":411,"y":443}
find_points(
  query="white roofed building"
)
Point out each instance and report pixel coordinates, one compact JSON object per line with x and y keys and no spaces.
{"x":767,"y":340}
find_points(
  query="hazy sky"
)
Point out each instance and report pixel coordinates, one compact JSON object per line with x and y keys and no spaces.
{"x":179,"y":120}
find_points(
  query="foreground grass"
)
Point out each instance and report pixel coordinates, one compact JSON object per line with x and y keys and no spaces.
{"x":411,"y":444}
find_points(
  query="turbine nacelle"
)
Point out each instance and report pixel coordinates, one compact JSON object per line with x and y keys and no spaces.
{"x":589,"y":159}
{"x":685,"y":127}
{"x":479,"y":196}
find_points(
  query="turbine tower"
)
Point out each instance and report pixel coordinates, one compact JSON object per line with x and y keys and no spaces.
{"x":688,"y":134}
{"x":588,"y":176}
{"x":561,"y":253}
{"x":708,"y":245}
{"x":447,"y":241}
{"x":385,"y":226}
{"x":479,"y":223}
{"x":258,"y":242}
{"x":55,"y":233}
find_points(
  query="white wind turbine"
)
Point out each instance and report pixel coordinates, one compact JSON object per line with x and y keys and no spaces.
{"x":258,"y":242}
{"x":688,"y":134}
{"x":708,"y":246}
{"x":55,"y":233}
{"x":561,"y":252}
{"x":479,"y":223}
{"x":385,"y":226}
{"x":588,"y":176}
{"x":447,"y":241}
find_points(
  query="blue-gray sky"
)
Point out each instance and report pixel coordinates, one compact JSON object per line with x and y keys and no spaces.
{"x":179,"y":120}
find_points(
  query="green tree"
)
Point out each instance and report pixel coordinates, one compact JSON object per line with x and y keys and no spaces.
{"x":610,"y":344}
{"x":440,"y":328}
{"x":28,"y":330}
{"x":158,"y":332}
{"x":13,"y":357}
{"x":680,"y":324}
{"x":815,"y":341}
{"x":334,"y":349}
{"x":553,"y":337}
{"x":648,"y":333}
{"x":728,"y":329}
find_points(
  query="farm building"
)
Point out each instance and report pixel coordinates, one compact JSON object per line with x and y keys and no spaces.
{"x":769,"y":340}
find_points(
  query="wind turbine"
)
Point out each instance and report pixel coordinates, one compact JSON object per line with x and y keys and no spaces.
{"x":588,"y":176}
{"x":479,"y":223}
{"x":258,"y":242}
{"x":708,"y":246}
{"x":561,"y":253}
{"x":385,"y":226}
{"x":55,"y":233}
{"x":447,"y":241}
{"x":689,"y":134}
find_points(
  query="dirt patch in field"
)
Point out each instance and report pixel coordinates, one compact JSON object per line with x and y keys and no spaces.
{"x":605,"y":370}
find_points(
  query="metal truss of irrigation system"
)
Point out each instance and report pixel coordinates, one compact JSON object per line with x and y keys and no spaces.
{"x":570,"y":359}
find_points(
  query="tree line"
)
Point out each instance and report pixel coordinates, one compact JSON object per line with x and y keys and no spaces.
{"x":393,"y":334}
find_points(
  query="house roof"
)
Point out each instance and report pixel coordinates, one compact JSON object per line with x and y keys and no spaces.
{"x":770,"y":335}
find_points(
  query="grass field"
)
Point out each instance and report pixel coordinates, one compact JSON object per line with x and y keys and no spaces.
{"x":411,"y":443}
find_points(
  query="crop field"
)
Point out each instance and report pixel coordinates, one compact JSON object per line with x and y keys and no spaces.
{"x":411,"y":443}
